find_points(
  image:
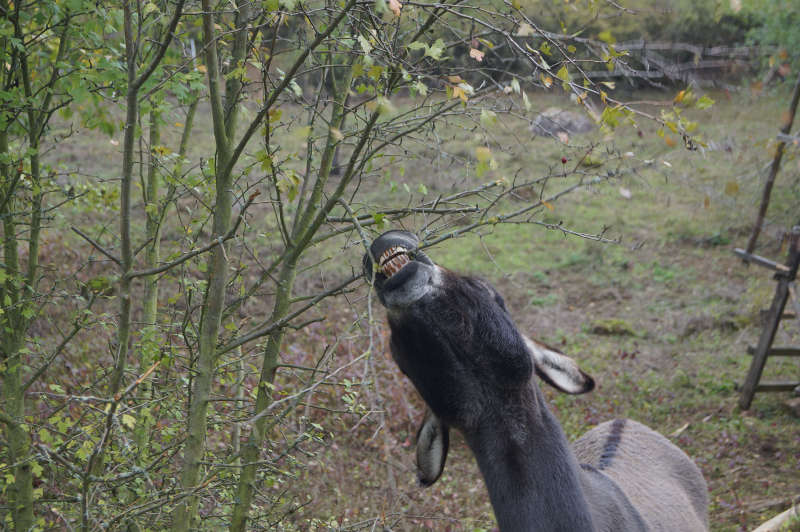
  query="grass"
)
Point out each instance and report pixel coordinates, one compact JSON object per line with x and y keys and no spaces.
{"x":677,"y":311}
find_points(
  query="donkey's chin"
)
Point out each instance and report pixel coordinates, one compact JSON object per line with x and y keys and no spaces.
{"x":411,"y":283}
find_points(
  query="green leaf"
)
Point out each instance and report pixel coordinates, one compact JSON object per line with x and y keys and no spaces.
{"x":84,"y":451}
{"x":606,"y":37}
{"x":379,"y":219}
{"x":435,"y":50}
{"x":128,"y":421}
{"x":488,"y":118}
{"x":45,"y":436}
{"x":150,"y":7}
{"x":365,"y":45}
{"x":481,"y":169}
{"x":704,"y":102}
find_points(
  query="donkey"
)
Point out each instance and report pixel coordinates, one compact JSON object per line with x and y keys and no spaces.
{"x":454,"y":338}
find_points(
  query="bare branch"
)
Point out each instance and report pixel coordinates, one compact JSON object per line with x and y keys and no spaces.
{"x":211,"y":245}
{"x":97,"y":246}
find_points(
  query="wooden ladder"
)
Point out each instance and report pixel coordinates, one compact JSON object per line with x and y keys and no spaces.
{"x":785,"y":274}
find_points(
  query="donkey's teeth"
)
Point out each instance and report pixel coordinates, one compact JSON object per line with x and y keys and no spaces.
{"x":392,"y":260}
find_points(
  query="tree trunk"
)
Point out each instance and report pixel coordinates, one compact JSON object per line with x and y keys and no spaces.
{"x":21,"y":492}
{"x":214,"y":300}
{"x":150,"y":302}
{"x":252,"y":449}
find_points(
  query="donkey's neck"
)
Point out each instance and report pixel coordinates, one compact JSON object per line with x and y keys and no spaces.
{"x":531,"y":475}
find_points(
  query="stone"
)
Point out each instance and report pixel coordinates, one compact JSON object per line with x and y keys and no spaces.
{"x":555,"y":120}
{"x":794,"y":406}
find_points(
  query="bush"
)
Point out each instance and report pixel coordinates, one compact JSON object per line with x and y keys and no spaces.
{"x":780,"y":20}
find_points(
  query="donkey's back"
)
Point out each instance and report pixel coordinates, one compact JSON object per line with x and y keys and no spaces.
{"x":658,"y":478}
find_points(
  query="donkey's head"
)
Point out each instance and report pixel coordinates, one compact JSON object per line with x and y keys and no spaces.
{"x":453,"y":337}
{"x":402,"y":274}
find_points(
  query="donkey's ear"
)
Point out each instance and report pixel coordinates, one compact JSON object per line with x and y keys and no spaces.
{"x":433,"y":441}
{"x":558,"y":370}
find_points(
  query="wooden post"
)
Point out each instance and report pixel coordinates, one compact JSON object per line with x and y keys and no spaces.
{"x":773,"y":170}
{"x":773,"y":320}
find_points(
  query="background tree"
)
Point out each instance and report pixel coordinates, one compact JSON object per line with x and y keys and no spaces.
{"x":37,"y":43}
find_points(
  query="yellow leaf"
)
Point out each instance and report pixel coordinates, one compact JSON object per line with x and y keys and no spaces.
{"x":483,"y":154}
{"x":670,"y":142}
{"x":395,"y":7}
{"x":202,"y":68}
{"x":706,"y":202}
{"x":476,"y":54}
{"x":548,"y":205}
{"x":336,"y":134}
{"x":455,"y":80}
{"x":731,"y":188}
{"x":525,"y":29}
{"x":458,"y":92}
{"x":547,"y":81}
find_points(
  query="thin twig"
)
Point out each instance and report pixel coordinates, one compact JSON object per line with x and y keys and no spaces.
{"x":97,"y":246}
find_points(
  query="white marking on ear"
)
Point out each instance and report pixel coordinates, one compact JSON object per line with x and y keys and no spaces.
{"x":557,"y":369}
{"x":433,"y":441}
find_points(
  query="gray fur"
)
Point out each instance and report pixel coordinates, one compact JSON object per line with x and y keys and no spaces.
{"x":658,"y":478}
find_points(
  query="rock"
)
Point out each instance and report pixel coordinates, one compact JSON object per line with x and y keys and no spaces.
{"x":555,"y":121}
{"x":794,"y":406}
